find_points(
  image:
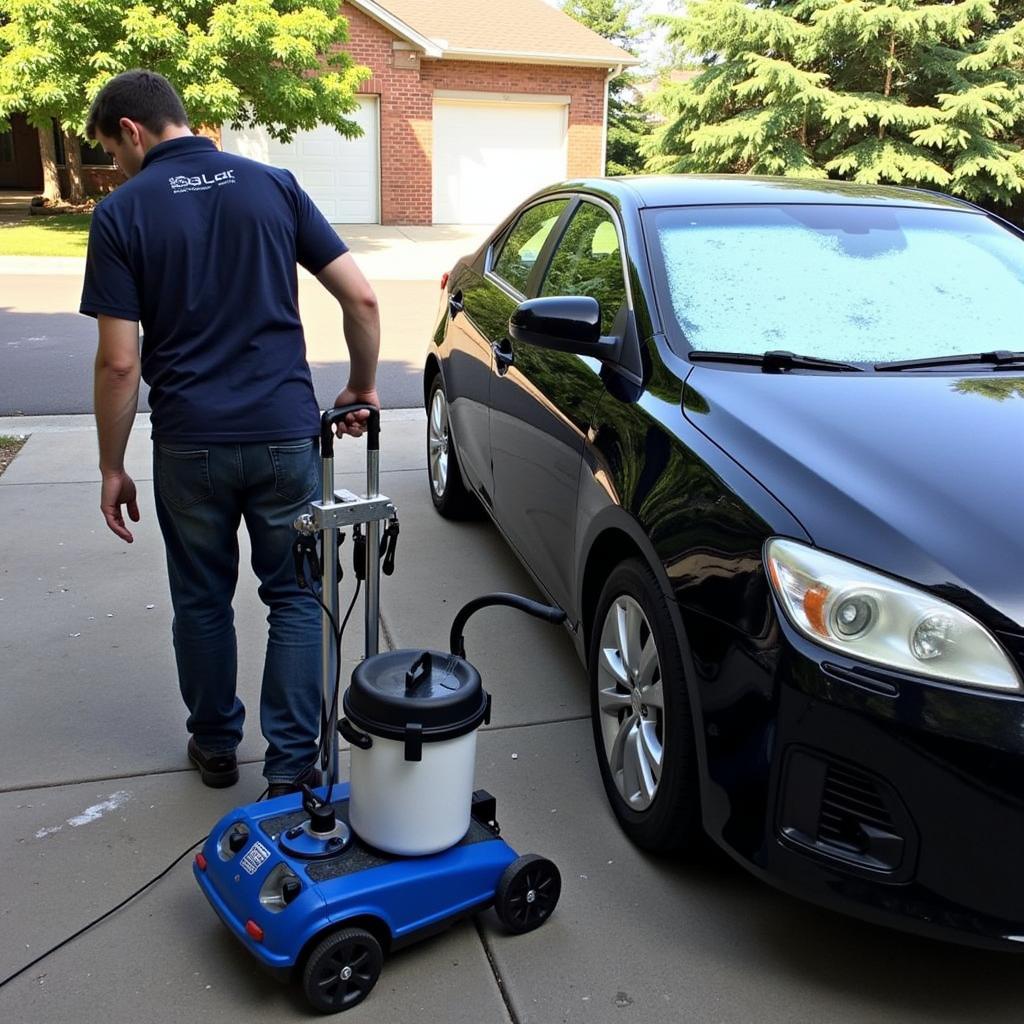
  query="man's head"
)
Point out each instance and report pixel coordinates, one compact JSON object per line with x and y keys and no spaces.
{"x":132,"y":113}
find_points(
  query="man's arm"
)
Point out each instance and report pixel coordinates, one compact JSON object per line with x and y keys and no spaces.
{"x":361,"y":320}
{"x":116,"y":400}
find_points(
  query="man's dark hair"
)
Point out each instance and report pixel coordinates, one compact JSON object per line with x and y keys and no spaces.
{"x":139,"y":95}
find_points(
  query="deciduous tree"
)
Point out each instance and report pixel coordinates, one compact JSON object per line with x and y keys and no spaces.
{"x":278,"y":63}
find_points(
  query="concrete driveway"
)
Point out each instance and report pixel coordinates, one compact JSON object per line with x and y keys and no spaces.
{"x":47,"y":348}
{"x":97,"y":798}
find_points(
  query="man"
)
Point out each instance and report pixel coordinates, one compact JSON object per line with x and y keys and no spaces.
{"x":201,"y":248}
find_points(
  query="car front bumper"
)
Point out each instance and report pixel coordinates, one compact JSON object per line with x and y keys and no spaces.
{"x":888,"y":797}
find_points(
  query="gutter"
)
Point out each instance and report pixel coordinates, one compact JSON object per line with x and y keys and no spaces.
{"x":614,"y":73}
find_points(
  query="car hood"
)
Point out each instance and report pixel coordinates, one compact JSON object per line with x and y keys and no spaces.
{"x":918,"y":475}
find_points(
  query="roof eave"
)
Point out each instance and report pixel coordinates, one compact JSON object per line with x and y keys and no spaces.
{"x":400,"y":28}
{"x":521,"y":57}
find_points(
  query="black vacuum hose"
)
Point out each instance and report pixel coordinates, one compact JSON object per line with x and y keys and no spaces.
{"x":548,"y":612}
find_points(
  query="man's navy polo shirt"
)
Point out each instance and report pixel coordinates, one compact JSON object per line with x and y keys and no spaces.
{"x":201,"y":247}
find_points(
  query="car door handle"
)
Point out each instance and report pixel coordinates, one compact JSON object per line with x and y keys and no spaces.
{"x":455,"y":306}
{"x":504,"y":357}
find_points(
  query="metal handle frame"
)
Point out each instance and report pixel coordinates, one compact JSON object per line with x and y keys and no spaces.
{"x":336,"y":509}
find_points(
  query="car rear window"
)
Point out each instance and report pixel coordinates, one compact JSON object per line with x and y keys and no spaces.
{"x":861,"y":283}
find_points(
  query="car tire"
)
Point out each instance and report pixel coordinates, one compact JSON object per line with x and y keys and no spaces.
{"x":341,"y":970}
{"x":449,"y":494}
{"x":646,"y":752}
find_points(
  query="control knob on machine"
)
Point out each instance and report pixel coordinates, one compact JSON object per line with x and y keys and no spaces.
{"x":237,"y":838}
{"x":290,"y":888}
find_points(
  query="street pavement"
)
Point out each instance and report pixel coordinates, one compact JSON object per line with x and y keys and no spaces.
{"x":47,"y":347}
{"x":96,"y":798}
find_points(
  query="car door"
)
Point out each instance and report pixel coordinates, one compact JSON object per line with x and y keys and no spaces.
{"x":467,"y":372}
{"x":542,"y":402}
{"x":481,"y":300}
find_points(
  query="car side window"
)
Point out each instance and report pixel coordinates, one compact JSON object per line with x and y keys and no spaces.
{"x":525,"y":241}
{"x":587,"y":262}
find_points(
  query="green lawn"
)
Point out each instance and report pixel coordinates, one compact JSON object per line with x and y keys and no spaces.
{"x":9,"y":447}
{"x":54,"y":235}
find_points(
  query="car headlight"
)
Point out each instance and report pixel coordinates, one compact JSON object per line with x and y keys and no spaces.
{"x":281,"y":888}
{"x":866,"y":615}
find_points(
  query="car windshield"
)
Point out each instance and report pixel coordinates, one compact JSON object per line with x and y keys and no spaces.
{"x":855,"y":283}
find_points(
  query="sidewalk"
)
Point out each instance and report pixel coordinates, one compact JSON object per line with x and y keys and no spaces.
{"x":96,"y":798}
{"x":48,"y":348}
{"x":385,"y":252}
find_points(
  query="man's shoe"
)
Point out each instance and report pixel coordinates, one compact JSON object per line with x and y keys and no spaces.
{"x":216,"y":770}
{"x":312,"y":778}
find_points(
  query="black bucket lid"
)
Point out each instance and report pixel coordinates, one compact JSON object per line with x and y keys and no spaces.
{"x":437,"y":692}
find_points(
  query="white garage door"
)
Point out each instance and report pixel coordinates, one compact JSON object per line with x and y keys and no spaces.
{"x":341,"y":175}
{"x":488,"y":156}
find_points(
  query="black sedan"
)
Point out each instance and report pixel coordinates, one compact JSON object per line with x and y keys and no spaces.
{"x":762,"y":440}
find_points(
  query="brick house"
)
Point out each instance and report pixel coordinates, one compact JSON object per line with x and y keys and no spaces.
{"x":20,"y":167}
{"x":472,"y":105}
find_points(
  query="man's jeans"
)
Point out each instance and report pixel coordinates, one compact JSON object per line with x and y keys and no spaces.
{"x":203,"y":491}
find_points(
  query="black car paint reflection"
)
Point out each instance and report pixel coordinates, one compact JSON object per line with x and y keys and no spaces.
{"x":693,"y":467}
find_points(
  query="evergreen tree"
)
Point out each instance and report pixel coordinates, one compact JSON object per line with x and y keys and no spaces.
{"x":897,"y":91}
{"x":628,"y":125}
{"x":242,"y":61}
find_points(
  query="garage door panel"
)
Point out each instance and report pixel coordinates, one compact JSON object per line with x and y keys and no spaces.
{"x":341,"y":175}
{"x":318,"y":179}
{"x":489,"y":156}
{"x":318,"y":148}
{"x":280,"y":149}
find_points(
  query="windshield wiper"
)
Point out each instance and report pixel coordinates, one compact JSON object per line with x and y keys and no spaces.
{"x":775,"y":361}
{"x":1000,"y":358}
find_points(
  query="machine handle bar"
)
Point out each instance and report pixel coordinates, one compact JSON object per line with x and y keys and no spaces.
{"x":332,"y":416}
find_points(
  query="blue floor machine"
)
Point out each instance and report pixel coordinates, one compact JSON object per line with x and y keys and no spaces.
{"x":321,"y":884}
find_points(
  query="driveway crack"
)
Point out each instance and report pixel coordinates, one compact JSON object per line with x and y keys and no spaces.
{"x":495,"y":972}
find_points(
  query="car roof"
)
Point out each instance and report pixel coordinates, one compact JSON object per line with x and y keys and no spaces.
{"x":723,"y":189}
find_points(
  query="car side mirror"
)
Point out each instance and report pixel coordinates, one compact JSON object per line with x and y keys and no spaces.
{"x":565,"y":323}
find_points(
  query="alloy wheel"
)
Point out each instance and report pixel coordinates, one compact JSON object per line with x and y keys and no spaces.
{"x":437,"y":443}
{"x":631,"y":701}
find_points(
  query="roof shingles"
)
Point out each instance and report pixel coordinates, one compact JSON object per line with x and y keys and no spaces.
{"x":506,"y":27}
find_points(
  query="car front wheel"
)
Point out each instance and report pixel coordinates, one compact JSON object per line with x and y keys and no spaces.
{"x":640,"y":711}
{"x":449,"y":494}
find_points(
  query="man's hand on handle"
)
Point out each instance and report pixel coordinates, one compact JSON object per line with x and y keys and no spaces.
{"x":119,"y":489}
{"x":355,"y":423}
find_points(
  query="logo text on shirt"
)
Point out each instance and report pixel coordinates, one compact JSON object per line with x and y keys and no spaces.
{"x":200,"y":182}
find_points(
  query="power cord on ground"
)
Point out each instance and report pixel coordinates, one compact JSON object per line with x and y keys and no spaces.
{"x":113,"y":910}
{"x":327,"y":717}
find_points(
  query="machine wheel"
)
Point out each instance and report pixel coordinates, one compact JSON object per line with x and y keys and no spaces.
{"x":447,"y":491}
{"x":341,"y":970}
{"x":527,"y":893}
{"x":640,"y":711}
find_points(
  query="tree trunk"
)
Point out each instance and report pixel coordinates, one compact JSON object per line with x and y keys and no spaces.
{"x":73,"y":162}
{"x":48,"y":158}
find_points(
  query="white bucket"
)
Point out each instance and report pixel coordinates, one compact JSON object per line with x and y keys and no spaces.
{"x":412,"y":808}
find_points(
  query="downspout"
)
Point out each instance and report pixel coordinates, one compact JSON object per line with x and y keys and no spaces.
{"x":604,"y":123}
